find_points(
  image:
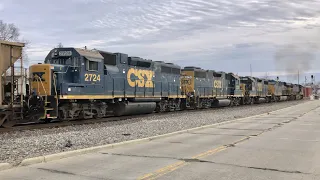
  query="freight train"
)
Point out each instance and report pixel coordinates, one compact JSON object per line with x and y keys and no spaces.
{"x":75,"y":83}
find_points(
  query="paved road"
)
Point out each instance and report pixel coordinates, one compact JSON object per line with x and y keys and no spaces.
{"x":282,"y":145}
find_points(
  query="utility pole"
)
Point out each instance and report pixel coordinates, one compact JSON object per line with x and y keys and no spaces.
{"x":250,"y":70}
{"x":305,"y":80}
{"x":298,"y":76}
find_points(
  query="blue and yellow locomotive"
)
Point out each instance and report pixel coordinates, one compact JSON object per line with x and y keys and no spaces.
{"x":80,"y":83}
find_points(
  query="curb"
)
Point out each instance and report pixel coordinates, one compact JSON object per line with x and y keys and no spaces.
{"x":33,"y":160}
{"x":62,"y":155}
{"x":5,"y":166}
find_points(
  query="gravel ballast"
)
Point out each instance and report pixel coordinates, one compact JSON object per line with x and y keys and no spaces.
{"x":16,"y":146}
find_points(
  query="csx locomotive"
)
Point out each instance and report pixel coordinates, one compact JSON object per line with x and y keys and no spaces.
{"x":75,"y":83}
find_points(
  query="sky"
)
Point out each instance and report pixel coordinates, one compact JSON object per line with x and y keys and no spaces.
{"x":275,"y":36}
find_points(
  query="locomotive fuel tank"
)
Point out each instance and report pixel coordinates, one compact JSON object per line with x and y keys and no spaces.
{"x":221,"y":103}
{"x":262,"y":100}
{"x":283,"y":98}
{"x":224,"y":102}
{"x":133,"y":108}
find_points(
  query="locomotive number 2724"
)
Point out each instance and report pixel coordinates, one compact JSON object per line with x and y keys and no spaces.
{"x":92,"y":77}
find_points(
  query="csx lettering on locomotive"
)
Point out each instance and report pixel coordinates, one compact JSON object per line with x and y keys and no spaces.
{"x":186,"y":80}
{"x":217,"y":84}
{"x":142,"y":78}
{"x":259,"y":86}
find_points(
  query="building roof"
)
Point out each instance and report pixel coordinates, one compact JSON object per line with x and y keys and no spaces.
{"x":12,"y":43}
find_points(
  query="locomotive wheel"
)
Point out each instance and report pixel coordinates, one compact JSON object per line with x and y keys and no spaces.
{"x":251,"y":102}
{"x":236,"y":101}
{"x":243,"y":101}
{"x":158,"y":109}
{"x":232,"y":102}
{"x":3,"y":117}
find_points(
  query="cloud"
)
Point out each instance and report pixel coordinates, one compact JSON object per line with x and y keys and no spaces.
{"x":1,"y":7}
{"x":227,"y":35}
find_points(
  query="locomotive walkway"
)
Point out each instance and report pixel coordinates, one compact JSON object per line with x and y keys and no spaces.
{"x":279,"y":145}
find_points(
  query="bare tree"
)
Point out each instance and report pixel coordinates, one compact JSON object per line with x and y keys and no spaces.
{"x":24,"y":53}
{"x":9,"y":32}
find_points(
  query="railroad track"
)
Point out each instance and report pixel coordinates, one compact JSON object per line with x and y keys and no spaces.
{"x":57,"y":124}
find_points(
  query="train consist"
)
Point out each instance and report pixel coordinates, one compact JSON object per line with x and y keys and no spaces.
{"x":77,"y":83}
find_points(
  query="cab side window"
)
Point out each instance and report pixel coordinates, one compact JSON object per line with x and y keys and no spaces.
{"x":92,"y":65}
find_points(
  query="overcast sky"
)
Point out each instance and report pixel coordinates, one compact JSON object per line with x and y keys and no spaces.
{"x":228,"y":35}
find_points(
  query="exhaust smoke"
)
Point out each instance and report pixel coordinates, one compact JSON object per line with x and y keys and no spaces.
{"x":295,"y":58}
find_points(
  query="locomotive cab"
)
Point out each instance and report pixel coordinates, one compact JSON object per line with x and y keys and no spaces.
{"x":252,"y":86}
{"x":260,"y":88}
{"x":248,"y":85}
{"x":265,"y":86}
{"x":64,"y":73}
{"x":296,"y":91}
{"x":196,"y":82}
{"x":233,"y":85}
{"x":289,"y":91}
{"x":197,"y":85}
{"x":220,"y":85}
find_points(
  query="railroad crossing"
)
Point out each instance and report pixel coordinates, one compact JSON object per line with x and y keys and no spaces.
{"x":278,"y":145}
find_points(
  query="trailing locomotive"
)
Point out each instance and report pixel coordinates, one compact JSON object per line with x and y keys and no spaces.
{"x":207,"y":88}
{"x":83,"y":84}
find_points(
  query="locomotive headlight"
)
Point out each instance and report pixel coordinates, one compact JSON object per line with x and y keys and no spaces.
{"x":55,"y":53}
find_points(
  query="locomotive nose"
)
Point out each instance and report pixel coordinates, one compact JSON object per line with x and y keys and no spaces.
{"x":41,"y":79}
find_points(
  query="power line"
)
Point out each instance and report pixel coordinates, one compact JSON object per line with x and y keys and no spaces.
{"x":38,"y":50}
